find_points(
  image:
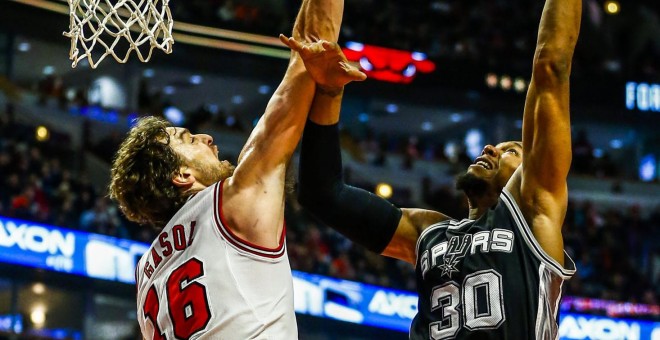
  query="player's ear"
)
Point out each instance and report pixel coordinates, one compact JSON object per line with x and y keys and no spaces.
{"x":183,"y":178}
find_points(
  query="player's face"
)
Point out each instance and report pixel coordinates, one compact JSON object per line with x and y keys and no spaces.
{"x":200,"y":154}
{"x":497,"y":163}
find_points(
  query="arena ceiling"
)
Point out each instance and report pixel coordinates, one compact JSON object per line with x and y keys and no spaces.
{"x":228,"y":75}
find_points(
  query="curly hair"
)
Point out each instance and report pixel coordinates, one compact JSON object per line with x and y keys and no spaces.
{"x":141,"y":174}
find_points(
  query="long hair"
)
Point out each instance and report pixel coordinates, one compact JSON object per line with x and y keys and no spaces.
{"x":142,"y":171}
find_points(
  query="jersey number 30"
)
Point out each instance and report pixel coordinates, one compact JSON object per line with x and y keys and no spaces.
{"x":187,"y":305}
{"x":481,"y":303}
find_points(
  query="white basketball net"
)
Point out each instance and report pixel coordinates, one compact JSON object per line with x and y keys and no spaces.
{"x":109,"y":22}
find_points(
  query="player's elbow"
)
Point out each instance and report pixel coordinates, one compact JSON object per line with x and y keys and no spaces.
{"x":551,"y":66}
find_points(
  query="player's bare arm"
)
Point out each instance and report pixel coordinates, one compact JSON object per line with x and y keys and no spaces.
{"x":255,"y":193}
{"x":413,"y":222}
{"x":539,"y":185}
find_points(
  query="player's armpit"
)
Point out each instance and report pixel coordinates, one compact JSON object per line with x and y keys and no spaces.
{"x":413,"y":222}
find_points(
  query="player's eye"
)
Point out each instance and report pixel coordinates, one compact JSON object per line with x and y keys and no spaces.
{"x":192,"y":140}
{"x":513,"y":151}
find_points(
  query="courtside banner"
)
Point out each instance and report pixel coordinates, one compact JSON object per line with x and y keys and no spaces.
{"x":353,"y":302}
{"x":41,"y":246}
{"x":582,"y":326}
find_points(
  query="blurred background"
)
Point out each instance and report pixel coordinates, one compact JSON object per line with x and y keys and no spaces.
{"x":446,"y":78}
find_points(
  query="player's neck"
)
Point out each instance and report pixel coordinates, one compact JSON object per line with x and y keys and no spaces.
{"x":195,"y":188}
{"x":480,"y":204}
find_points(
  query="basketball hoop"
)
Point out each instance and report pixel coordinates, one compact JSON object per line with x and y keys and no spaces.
{"x":129,"y":23}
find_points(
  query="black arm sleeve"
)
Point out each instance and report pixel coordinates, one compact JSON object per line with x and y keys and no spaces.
{"x":359,"y":215}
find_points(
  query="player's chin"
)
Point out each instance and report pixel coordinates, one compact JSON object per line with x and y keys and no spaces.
{"x":478,"y":170}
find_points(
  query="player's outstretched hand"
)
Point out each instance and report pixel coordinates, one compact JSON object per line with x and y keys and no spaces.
{"x":325,"y":62}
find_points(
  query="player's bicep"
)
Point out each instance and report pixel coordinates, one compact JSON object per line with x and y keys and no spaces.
{"x":404,"y":242}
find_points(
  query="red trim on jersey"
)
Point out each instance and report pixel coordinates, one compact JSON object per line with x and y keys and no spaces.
{"x":137,"y":278}
{"x":237,"y":241}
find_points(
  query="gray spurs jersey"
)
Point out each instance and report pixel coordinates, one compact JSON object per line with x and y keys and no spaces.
{"x":487,"y":279}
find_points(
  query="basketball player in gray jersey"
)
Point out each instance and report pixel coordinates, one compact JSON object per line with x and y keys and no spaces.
{"x":498,"y":273}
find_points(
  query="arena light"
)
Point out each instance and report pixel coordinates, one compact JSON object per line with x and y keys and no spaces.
{"x":195,"y":79}
{"x":598,"y":153}
{"x":519,"y":85}
{"x":169,"y":90}
{"x":42,"y":133}
{"x":474,"y":142}
{"x":384,"y":190}
{"x":392,"y":108}
{"x":456,"y":117}
{"x":264,"y":89}
{"x":647,"y":168}
{"x":491,"y":80}
{"x":230,"y":121}
{"x":365,"y":64}
{"x":427,"y":126}
{"x":38,"y":288}
{"x":48,"y":70}
{"x":616,"y":144}
{"x":355,"y":46}
{"x":38,"y":315}
{"x":506,"y":82}
{"x":174,"y":115}
{"x":24,"y":46}
{"x":612,"y":7}
{"x":237,"y":99}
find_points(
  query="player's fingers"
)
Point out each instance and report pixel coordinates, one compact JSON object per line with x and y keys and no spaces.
{"x":329,"y":45}
{"x":284,"y":39}
{"x":291,"y":43}
{"x":311,"y":49}
{"x":357,"y":75}
{"x":354,"y":73}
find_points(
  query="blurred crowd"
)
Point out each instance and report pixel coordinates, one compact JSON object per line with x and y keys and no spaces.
{"x":42,"y":182}
{"x":500,"y":34}
{"x":617,"y":252}
{"x":404,"y":151}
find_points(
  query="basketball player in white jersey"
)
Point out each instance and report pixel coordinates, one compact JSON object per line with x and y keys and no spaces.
{"x":219,"y":268}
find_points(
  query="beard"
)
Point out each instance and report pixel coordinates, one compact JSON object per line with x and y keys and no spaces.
{"x":210,"y":174}
{"x":471,"y":185}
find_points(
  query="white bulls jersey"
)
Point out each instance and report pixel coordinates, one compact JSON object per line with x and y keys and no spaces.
{"x":200,"y":281}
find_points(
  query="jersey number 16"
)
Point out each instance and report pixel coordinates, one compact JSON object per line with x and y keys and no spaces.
{"x":187,"y":306}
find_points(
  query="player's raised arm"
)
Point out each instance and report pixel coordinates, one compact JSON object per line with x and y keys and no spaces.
{"x":546,"y":125}
{"x":255,"y":193}
{"x":277,"y":134}
{"x":363,"y":217}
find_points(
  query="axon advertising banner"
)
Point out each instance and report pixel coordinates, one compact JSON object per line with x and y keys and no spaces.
{"x":353,"y":302}
{"x":41,"y":246}
{"x":582,"y":326}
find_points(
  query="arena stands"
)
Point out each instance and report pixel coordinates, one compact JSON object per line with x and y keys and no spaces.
{"x":616,"y":250}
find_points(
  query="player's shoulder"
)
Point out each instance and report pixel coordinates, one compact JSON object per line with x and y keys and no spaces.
{"x":422,"y":219}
